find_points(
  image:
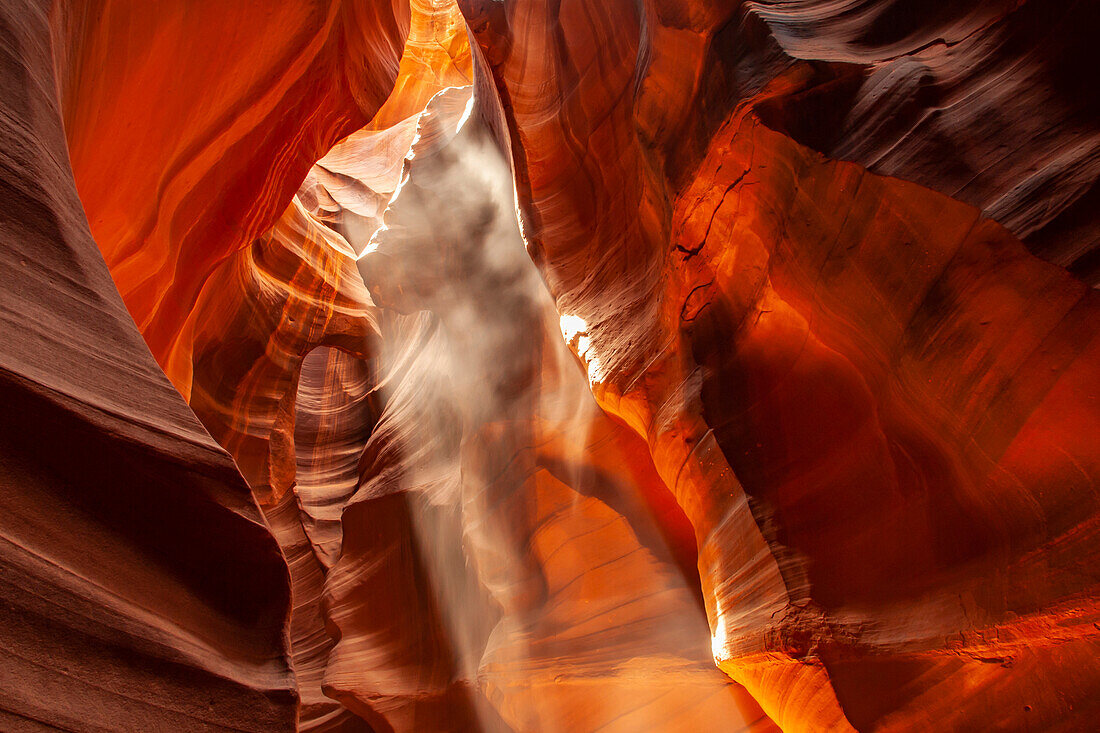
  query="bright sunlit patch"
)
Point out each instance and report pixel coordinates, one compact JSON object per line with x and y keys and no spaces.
{"x":469,"y":110}
{"x":718,"y":642}
{"x":574,"y":330}
{"x":410,"y":155}
{"x":572,"y":327}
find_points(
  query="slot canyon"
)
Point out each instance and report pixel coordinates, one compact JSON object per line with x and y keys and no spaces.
{"x":507,"y":366}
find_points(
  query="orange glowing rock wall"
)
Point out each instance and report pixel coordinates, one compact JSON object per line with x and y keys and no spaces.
{"x":874,"y":406}
{"x":769,"y":378}
{"x":191,"y":124}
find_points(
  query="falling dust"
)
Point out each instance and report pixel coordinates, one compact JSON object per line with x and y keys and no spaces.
{"x":562,"y":605}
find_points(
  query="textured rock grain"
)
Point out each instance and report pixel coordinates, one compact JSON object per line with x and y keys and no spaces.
{"x":771,"y":347}
{"x":140,"y":587}
{"x":858,"y":389}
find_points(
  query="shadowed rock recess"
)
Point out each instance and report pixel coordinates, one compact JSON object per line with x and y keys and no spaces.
{"x":549,"y":365}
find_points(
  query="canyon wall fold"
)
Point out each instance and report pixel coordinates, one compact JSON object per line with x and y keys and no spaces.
{"x":858,"y":389}
{"x":548,"y":365}
{"x":141,"y":589}
{"x":983,"y":101}
{"x":214,"y":113}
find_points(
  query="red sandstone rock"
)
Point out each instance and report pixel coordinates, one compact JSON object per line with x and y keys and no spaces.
{"x":191,"y":126}
{"x":139,"y":587}
{"x":856,"y":388}
{"x":844,"y":414}
{"x":979,"y":100}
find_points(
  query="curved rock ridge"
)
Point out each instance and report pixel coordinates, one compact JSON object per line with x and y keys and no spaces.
{"x":191,"y":125}
{"x":239,"y":354}
{"x":139,"y":587}
{"x":983,"y":101}
{"x":652,"y":365}
{"x":291,"y":295}
{"x":873,"y":405}
{"x":293,"y":290}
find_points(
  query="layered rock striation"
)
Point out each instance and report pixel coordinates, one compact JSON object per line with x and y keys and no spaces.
{"x":855,"y":387}
{"x":548,"y":365}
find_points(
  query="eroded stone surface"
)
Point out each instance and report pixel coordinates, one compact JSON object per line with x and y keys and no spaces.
{"x":855,"y":387}
{"x":840,"y":415}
